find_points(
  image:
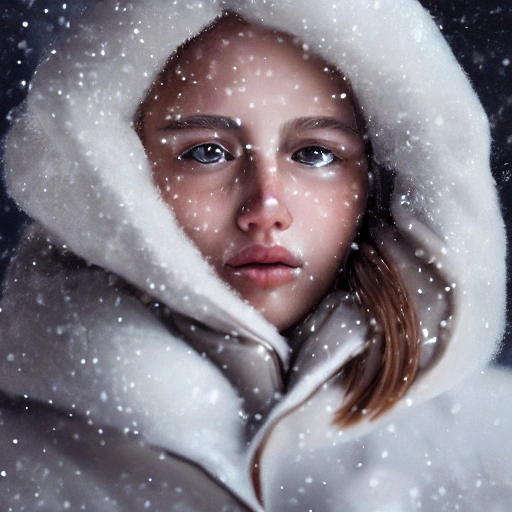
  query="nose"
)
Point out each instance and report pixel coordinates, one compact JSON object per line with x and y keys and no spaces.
{"x":264,"y":207}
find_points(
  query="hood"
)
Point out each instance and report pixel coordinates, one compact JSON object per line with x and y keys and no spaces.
{"x":75,"y":164}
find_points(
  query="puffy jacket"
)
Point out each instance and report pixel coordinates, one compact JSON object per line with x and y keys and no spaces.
{"x":128,"y":368}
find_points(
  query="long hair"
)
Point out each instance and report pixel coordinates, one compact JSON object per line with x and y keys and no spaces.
{"x":376,"y":379}
{"x":383,"y":373}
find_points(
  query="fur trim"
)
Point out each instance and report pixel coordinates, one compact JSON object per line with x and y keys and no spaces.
{"x":76,"y":165}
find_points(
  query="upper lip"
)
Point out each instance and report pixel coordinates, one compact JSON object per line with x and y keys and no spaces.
{"x":264,"y":255}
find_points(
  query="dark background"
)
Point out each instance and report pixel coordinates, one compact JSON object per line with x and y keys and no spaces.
{"x":479,"y":32}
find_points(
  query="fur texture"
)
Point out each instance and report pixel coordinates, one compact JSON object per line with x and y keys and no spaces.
{"x":75,"y":341}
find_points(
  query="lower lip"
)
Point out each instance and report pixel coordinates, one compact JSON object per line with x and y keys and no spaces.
{"x":271,"y":276}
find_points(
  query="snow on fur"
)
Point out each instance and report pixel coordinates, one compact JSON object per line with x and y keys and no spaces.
{"x":425,"y":122}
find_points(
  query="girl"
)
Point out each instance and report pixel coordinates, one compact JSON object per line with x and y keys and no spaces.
{"x":254,"y":267}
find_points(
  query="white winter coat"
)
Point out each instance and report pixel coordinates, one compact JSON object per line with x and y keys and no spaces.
{"x":133,"y":379}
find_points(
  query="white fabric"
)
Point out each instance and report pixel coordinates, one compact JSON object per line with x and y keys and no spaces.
{"x":76,"y":340}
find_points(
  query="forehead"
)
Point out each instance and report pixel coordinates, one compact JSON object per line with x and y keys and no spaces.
{"x":244,"y":44}
{"x":233,"y":64}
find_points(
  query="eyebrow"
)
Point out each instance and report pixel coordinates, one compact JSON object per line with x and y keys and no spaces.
{"x":213,"y":122}
{"x":208,"y":122}
{"x":318,"y":123}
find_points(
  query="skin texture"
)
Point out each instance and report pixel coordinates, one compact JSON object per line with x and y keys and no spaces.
{"x":255,"y":146}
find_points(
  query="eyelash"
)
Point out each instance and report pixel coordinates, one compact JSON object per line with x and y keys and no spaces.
{"x":218,"y":154}
{"x":300,"y":156}
{"x":218,"y":150}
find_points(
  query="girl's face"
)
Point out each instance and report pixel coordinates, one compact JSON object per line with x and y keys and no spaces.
{"x":255,"y":147}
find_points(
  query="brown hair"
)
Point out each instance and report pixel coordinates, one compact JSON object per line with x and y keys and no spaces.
{"x":377,"y":378}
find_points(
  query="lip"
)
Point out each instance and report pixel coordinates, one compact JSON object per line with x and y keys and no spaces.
{"x":266,"y":267}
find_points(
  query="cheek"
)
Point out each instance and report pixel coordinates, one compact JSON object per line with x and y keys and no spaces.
{"x":328,"y":219}
{"x":332,"y":207}
{"x":202,"y":216}
{"x":195,"y":215}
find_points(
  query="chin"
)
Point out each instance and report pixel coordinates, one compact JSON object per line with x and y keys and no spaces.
{"x":281,"y":320}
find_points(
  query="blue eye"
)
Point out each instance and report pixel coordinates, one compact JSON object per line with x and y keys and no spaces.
{"x":314,"y":156}
{"x":207,"y":154}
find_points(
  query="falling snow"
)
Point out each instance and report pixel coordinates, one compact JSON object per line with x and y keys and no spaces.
{"x":159,"y":384}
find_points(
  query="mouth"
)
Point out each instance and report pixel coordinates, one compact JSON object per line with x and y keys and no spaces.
{"x":266,"y":267}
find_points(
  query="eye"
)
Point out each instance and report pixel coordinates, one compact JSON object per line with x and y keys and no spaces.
{"x":314,"y":156}
{"x":207,"y":154}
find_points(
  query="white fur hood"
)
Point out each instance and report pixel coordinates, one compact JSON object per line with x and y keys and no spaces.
{"x":76,"y":165}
